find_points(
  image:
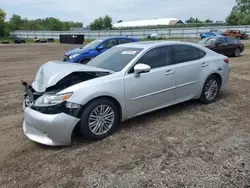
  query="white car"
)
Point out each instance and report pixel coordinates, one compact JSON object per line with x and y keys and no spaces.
{"x":125,"y":81}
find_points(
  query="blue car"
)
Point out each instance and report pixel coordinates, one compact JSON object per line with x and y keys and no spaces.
{"x":209,"y":34}
{"x":93,"y":49}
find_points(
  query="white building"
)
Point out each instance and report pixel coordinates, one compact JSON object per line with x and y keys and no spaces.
{"x":151,"y":22}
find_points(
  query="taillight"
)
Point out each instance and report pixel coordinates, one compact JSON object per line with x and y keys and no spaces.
{"x":226,"y":60}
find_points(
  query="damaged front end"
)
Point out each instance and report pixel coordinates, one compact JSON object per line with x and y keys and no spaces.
{"x":53,"y":77}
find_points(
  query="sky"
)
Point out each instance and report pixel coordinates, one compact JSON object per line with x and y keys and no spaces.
{"x":86,"y":11}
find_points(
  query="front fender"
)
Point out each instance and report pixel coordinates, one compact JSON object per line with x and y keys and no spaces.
{"x":85,"y":92}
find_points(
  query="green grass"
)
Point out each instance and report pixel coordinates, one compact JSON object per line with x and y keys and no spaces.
{"x":247,"y":46}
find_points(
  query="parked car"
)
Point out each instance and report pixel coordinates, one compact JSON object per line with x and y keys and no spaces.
{"x":209,"y":34}
{"x":228,"y":46}
{"x":217,"y":31}
{"x":18,"y":40}
{"x":124,"y":82}
{"x":93,"y":49}
{"x":237,"y":34}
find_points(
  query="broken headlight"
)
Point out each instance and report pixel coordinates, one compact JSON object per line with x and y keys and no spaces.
{"x":51,"y":99}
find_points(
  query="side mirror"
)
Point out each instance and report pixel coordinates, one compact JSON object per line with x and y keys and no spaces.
{"x":141,"y":68}
{"x":99,"y":48}
{"x":218,"y":43}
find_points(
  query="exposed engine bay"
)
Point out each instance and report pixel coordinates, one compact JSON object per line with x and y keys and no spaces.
{"x":74,"y":78}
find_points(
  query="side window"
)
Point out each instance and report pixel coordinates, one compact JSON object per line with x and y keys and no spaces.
{"x":230,"y":40}
{"x":155,"y":58}
{"x":123,"y":41}
{"x":109,"y":44}
{"x":201,"y":53}
{"x":183,"y":53}
{"x":221,"y":40}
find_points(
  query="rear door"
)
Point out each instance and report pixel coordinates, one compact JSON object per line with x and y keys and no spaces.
{"x":188,"y":62}
{"x":232,"y":45}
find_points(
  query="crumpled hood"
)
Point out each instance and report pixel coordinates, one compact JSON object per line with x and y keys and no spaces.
{"x":53,"y":71}
{"x":77,"y":51}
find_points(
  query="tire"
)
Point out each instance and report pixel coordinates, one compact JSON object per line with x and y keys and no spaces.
{"x":204,"y":98}
{"x":237,"y":52}
{"x":93,"y":133}
{"x":84,"y":61}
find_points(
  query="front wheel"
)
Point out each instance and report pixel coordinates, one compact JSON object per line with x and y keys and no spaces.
{"x":210,"y":90}
{"x":99,"y":119}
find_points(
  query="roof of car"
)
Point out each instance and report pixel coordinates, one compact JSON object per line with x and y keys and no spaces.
{"x":117,"y":37}
{"x":149,"y":44}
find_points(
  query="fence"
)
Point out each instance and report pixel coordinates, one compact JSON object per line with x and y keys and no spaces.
{"x":192,"y":32}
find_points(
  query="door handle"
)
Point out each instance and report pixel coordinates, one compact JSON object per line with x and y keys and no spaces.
{"x":204,"y":64}
{"x":168,"y":72}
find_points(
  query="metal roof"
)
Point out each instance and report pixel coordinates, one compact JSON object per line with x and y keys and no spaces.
{"x":150,"y":22}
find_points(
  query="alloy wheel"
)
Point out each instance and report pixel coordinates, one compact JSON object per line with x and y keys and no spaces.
{"x":101,"y":119}
{"x":237,"y":52}
{"x":211,"y":89}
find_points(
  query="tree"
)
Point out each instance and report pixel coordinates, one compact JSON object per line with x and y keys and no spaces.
{"x":192,"y":20}
{"x":15,"y":22}
{"x":208,"y":21}
{"x":240,"y":14}
{"x":101,"y":23}
{"x":107,"y":22}
{"x":2,"y":23}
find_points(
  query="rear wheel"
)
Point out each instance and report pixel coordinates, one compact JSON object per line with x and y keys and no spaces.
{"x":237,"y":52}
{"x":84,"y":61}
{"x":210,"y":89}
{"x":99,"y":119}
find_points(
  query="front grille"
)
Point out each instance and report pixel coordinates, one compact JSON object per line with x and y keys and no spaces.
{"x":65,"y":58}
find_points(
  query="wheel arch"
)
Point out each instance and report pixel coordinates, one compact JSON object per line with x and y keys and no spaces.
{"x":218,"y":76}
{"x":76,"y":129}
{"x":114,"y":100}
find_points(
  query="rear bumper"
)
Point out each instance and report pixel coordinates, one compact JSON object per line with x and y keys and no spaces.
{"x":53,"y":130}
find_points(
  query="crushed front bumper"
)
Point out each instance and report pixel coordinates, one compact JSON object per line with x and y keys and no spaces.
{"x":47,"y":129}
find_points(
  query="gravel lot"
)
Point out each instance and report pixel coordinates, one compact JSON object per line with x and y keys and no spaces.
{"x":186,"y":145}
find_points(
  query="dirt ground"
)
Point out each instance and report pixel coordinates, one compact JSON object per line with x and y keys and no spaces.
{"x":186,"y":145}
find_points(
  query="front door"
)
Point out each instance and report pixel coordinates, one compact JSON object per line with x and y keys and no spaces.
{"x":106,"y":45}
{"x":221,"y":46}
{"x":151,"y":90}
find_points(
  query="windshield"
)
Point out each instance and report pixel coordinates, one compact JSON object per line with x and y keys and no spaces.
{"x":207,"y":41}
{"x":93,"y":44}
{"x":115,"y":59}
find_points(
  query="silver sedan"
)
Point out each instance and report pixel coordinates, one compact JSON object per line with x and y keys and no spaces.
{"x":126,"y":81}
